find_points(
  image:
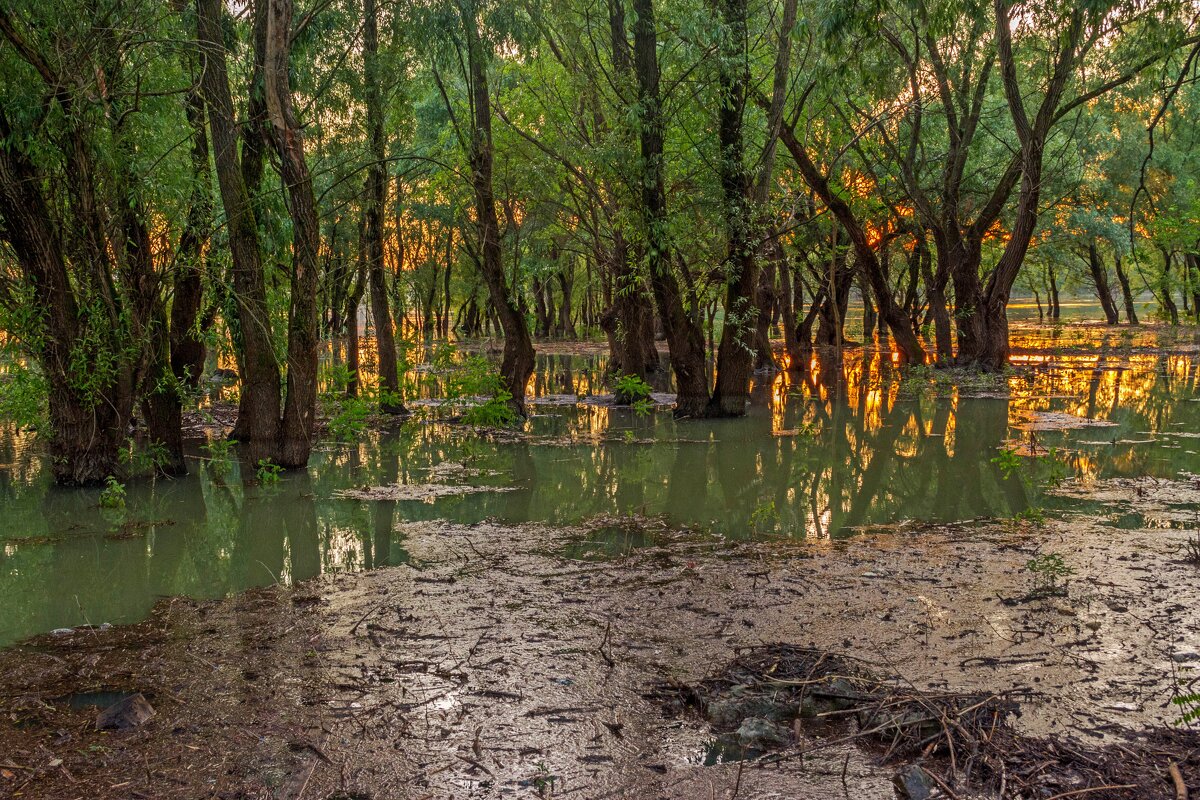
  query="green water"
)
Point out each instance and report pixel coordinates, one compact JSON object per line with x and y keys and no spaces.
{"x":811,"y":460}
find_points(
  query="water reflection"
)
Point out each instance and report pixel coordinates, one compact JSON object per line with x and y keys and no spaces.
{"x":846,"y":444}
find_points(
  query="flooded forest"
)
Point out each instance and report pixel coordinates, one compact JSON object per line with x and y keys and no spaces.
{"x":649,"y":399}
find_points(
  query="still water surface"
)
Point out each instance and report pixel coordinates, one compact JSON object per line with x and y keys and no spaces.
{"x":816,"y":458}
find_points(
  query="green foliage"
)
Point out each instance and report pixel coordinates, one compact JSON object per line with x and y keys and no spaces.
{"x":113,"y":494}
{"x":1008,"y":461}
{"x":474,"y":380}
{"x":1054,"y":471}
{"x":144,"y":459}
{"x":23,"y":398}
{"x":633,"y":388}
{"x":220,"y":455}
{"x":1034,"y":515}
{"x":1189,"y":706}
{"x":635,"y":392}
{"x":765,"y":517}
{"x":495,"y":412}
{"x":350,"y":419}
{"x":1049,"y":573}
{"x":268,"y":473}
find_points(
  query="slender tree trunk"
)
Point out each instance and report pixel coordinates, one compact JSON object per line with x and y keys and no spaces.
{"x":259,"y":404}
{"x":735,"y":353}
{"x":300,"y":411}
{"x":684,"y":338}
{"x":390,"y":401}
{"x":1126,"y":293}
{"x":518,"y":360}
{"x":187,"y":342}
{"x":1052,"y":280}
{"x":1100,"y":279}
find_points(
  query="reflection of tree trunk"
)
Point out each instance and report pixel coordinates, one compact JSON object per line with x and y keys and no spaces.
{"x":299,"y":518}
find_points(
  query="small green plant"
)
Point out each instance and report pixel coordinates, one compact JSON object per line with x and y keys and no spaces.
{"x":765,"y":517}
{"x":1034,"y":515}
{"x":350,"y":419}
{"x":543,"y":780}
{"x":220,"y":453}
{"x":631,"y":390}
{"x":1189,"y":705}
{"x":113,"y":494}
{"x":1056,"y":472}
{"x":629,"y":437}
{"x":1050,"y":573}
{"x":495,"y":412}
{"x":1008,"y":461}
{"x":143,"y":460}
{"x":268,"y":472}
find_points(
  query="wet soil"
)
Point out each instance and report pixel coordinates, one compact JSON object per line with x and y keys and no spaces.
{"x":511,"y":661}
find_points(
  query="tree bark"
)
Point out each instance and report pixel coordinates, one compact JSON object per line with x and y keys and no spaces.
{"x":518,"y":360}
{"x":300,"y":410}
{"x":1100,"y":280}
{"x":735,"y":353}
{"x":390,"y":401}
{"x":684,"y":339}
{"x":259,"y":404}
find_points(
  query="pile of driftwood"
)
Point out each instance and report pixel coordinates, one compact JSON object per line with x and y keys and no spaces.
{"x":953,"y":744}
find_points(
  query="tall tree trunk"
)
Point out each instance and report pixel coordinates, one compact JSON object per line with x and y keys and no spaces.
{"x":684,"y":339}
{"x":518,"y":360}
{"x":992,"y":355}
{"x":1052,"y":280}
{"x":1100,"y":279}
{"x":300,"y":410}
{"x":86,"y":432}
{"x":187,"y":341}
{"x":390,"y":401}
{"x":736,"y":351}
{"x":259,"y":404}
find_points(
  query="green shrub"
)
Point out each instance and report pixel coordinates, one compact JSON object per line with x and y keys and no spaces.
{"x":113,"y":494}
{"x":268,"y":472}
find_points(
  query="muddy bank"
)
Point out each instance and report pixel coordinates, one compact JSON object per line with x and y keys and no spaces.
{"x":512,"y":661}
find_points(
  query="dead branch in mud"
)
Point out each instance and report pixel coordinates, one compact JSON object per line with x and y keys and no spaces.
{"x":961,"y":740}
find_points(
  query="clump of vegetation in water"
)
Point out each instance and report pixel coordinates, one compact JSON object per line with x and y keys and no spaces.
{"x":220,"y":452}
{"x":1049,"y":573}
{"x":475,"y":377}
{"x":923,"y":379}
{"x":144,"y":460}
{"x":1008,"y":461}
{"x":268,"y":472}
{"x":633,"y":391}
{"x":350,"y":418}
{"x":113,"y":494}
